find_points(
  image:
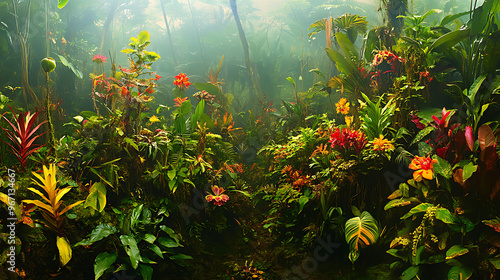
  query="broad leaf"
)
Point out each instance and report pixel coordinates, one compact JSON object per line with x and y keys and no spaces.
{"x":442,"y":167}
{"x":455,"y":251}
{"x":361,"y":231}
{"x":132,"y":250}
{"x":417,"y":209}
{"x":143,"y":37}
{"x":459,"y":272}
{"x":65,"y":251}
{"x":100,"y":232}
{"x":102,"y":262}
{"x":146,"y":271}
{"x":410,"y":273}
{"x":449,"y":39}
{"x":347,"y":46}
{"x":97,"y":197}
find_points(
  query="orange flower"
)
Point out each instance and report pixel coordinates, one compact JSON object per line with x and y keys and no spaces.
{"x":178,"y":101}
{"x":342,"y":106}
{"x":182,"y":81}
{"x":381,"y":144}
{"x":423,"y":168}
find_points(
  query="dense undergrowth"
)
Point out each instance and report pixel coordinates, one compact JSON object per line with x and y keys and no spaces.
{"x":397,"y":178}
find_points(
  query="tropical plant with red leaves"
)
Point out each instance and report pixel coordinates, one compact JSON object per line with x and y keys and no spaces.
{"x":23,"y":135}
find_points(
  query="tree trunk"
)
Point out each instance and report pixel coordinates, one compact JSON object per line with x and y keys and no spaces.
{"x":245,"y":48}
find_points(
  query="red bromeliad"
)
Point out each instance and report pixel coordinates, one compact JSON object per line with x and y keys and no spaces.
{"x":347,"y":140}
{"x":23,"y":135}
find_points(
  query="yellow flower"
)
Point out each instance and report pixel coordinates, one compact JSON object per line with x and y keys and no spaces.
{"x":154,"y":119}
{"x":348,"y":121}
{"x":342,"y":106}
{"x":381,"y":144}
{"x":423,"y":168}
{"x":142,"y":159}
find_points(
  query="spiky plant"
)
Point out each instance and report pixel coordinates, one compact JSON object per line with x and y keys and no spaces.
{"x":23,"y":135}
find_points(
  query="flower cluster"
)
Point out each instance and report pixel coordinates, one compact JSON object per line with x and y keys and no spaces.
{"x":178,"y":101}
{"x":423,"y":167}
{"x":296,"y":176}
{"x":342,"y":106}
{"x":382,"y":144}
{"x":347,"y":140}
{"x":218,"y":197}
{"x":386,"y":56}
{"x":182,"y":81}
{"x":99,"y":59}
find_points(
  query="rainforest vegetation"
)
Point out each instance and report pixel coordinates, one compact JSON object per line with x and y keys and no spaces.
{"x":189,"y":139}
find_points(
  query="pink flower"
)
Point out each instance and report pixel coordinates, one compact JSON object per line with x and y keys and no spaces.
{"x":469,"y":137}
{"x":99,"y":59}
{"x":218,"y":198}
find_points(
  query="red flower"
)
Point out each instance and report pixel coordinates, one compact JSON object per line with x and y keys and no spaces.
{"x":182,"y":81}
{"x":157,"y":77}
{"x":99,"y":59}
{"x":218,"y":198}
{"x":178,"y":101}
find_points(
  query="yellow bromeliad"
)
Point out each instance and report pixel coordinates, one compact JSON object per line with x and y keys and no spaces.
{"x":382,"y":144}
{"x":51,"y":211}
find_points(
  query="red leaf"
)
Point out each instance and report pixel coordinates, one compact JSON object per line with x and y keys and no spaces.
{"x":469,"y":138}
{"x":486,"y":137}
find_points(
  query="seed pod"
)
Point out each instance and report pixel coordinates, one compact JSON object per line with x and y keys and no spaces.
{"x":48,"y":64}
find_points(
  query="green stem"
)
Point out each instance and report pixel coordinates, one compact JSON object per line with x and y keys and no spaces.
{"x":52,"y":138}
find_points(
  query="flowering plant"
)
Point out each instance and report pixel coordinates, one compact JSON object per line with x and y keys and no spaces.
{"x":347,"y":141}
{"x":217,"y":197}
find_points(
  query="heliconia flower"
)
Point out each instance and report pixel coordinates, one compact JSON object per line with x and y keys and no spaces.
{"x":381,"y":144}
{"x":178,"y":101}
{"x":423,"y":168}
{"x":182,"y":81}
{"x":218,"y":197}
{"x":342,"y":106}
{"x":99,"y":59}
{"x":469,"y":138}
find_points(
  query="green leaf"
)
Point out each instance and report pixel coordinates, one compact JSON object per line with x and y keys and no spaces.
{"x":417,"y":209}
{"x":128,"y":51}
{"x":442,"y":167}
{"x":143,"y":37}
{"x":347,"y":46}
{"x":61,"y":3}
{"x":146,"y":271}
{"x":343,"y":65}
{"x":459,"y":272}
{"x":449,"y":18}
{"x":455,"y":251}
{"x":168,"y":242}
{"x":495,"y":262}
{"x":468,"y":170}
{"x":181,"y":257}
{"x":136,"y":213}
{"x":97,"y":197}
{"x":410,"y":273}
{"x":450,"y":39}
{"x":132,"y":250}
{"x":302,"y":202}
{"x":291,"y":80}
{"x":150,"y":238}
{"x":65,"y":251}
{"x":400,"y":202}
{"x":361,"y":231}
{"x":65,"y":62}
{"x":446,"y":216}
{"x":197,"y":114}
{"x":156,"y":250}
{"x":131,"y":143}
{"x":421,"y":134}
{"x":102,"y":262}
{"x":100,"y":232}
